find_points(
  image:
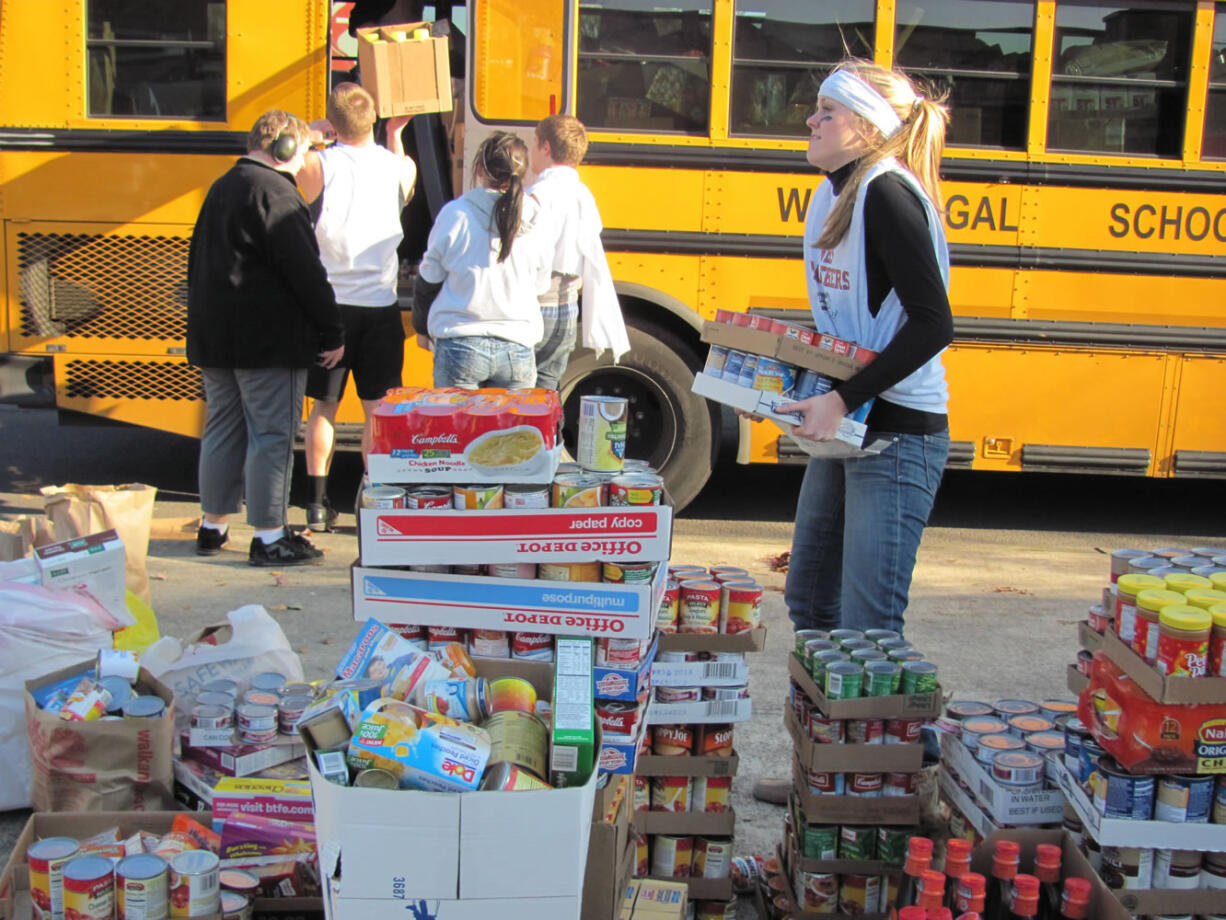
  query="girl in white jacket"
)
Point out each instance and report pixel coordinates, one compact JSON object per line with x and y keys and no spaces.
{"x":486,"y":263}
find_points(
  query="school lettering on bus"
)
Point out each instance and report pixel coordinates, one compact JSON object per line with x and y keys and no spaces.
{"x":961,"y":212}
{"x":1166,"y":222}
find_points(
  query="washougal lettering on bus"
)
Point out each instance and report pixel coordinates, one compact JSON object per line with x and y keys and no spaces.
{"x":1082,"y":194}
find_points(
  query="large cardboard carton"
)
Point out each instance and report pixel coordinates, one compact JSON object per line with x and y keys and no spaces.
{"x":611,"y":852}
{"x":483,"y":602}
{"x":834,"y":358}
{"x":1009,"y":807}
{"x":455,"y":855}
{"x":1161,"y":687}
{"x":700,"y":823}
{"x":405,"y":76}
{"x":898,"y":706}
{"x":658,"y":765}
{"x":394,"y":536}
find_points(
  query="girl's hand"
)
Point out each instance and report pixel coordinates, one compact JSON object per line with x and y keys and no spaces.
{"x":820,"y":415}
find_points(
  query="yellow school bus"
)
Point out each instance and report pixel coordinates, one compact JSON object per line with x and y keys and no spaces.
{"x":1083,"y":197}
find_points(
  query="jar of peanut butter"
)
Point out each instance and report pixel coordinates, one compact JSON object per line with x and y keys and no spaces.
{"x":1149,"y":605}
{"x":1183,"y":641}
{"x":1126,"y":590}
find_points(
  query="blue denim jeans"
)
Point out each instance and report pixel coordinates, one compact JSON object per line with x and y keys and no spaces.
{"x":472,"y":361}
{"x":858,"y":528}
{"x":553,"y":350}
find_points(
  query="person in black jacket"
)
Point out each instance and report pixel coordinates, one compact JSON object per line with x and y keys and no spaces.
{"x":260,"y":311}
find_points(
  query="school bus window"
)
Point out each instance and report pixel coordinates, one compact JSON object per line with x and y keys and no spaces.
{"x":156,"y":60}
{"x":981,"y":51}
{"x":645,"y":66}
{"x":781,"y":50}
{"x":1214,"y":145}
{"x":1119,"y":77}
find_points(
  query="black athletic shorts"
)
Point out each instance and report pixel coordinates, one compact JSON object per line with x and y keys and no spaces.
{"x":374,"y":352}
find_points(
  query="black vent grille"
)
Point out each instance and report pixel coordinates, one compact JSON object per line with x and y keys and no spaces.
{"x":161,"y":380}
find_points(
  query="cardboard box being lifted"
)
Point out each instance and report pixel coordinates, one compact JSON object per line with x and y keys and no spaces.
{"x":405,"y":76}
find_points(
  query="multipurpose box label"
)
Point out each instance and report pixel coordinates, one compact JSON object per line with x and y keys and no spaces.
{"x":631,"y":533}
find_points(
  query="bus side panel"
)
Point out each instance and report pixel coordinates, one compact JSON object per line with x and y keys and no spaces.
{"x":1118,"y":298}
{"x":1199,"y":417}
{"x":1004,"y":398}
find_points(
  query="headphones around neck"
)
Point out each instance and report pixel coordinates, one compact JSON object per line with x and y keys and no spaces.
{"x":284,"y":147}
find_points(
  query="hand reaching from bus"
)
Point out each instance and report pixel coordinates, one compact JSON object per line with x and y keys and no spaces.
{"x":329,"y":359}
{"x":322,"y":132}
{"x":820,"y":415}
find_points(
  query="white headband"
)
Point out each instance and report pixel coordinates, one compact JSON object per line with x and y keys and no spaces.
{"x":845,"y":87}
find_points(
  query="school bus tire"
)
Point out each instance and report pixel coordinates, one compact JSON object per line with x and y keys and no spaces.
{"x":670,"y":427}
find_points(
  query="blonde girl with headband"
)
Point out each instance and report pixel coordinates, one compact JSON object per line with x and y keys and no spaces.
{"x":877,"y":268}
{"x":487,"y":261}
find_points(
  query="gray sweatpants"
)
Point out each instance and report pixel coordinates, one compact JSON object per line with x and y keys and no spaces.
{"x":252,"y":417}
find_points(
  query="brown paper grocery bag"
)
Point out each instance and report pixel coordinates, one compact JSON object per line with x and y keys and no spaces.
{"x":20,"y":534}
{"x":78,"y":511}
{"x":120,"y":765}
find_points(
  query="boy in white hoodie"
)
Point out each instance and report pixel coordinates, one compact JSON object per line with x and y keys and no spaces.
{"x":579,"y":262}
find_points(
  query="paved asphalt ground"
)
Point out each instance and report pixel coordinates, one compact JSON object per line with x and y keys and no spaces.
{"x":1008,"y":565}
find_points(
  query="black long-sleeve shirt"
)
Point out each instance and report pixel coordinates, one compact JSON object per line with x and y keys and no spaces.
{"x":899,"y":257}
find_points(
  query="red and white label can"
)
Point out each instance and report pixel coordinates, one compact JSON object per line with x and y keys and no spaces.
{"x":618,"y":717}
{"x":532,"y":646}
{"x":894,"y":784}
{"x":672,"y":740}
{"x":903,"y":731}
{"x":865,"y":731}
{"x":666,"y":618}
{"x":866,"y":785}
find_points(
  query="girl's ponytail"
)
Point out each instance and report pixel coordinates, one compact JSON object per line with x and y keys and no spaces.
{"x":503,"y":159}
{"x":507,"y":212}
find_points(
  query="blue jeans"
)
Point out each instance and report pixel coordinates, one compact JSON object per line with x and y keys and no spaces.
{"x":472,"y":361}
{"x":858,"y":527}
{"x":553,"y":350}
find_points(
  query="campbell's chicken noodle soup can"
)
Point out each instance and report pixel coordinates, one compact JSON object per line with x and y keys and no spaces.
{"x":438,"y":637}
{"x":411,"y":632}
{"x":532,"y":646}
{"x":672,"y":740}
{"x":195,"y":890}
{"x":46,"y":859}
{"x":670,"y":604}
{"x":526,"y":495}
{"x":627,"y":573}
{"x":480,"y":497}
{"x":387,"y":497}
{"x":825,"y":783}
{"x":903,"y":731}
{"x":713,"y":740}
{"x":569,"y":571}
{"x":671,"y":855}
{"x":865,"y":785}
{"x":621,"y":653}
{"x":699,"y":607}
{"x":711,"y":793}
{"x":89,"y":888}
{"x":618,"y":717}
{"x":524,"y":570}
{"x":489,"y":643}
{"x":142,"y":888}
{"x":896,"y":784}
{"x":636,"y":489}
{"x":670,"y":793}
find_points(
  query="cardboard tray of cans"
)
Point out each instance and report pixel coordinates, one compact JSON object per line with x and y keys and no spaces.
{"x":1088,"y":638}
{"x":820,"y":357}
{"x":484,"y":602}
{"x":844,"y":809}
{"x":15,"y":901}
{"x":898,"y":706}
{"x":960,"y":799}
{"x":1123,"y":832}
{"x":1075,"y":680}
{"x":701,"y":889}
{"x":703,"y":823}
{"x":852,"y":758}
{"x":751,"y":640}
{"x":631,"y":533}
{"x":659,"y":765}
{"x":792,"y":862}
{"x":1007,"y":806}
{"x":1160,"y":687}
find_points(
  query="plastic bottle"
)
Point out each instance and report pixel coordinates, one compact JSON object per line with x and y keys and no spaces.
{"x":1075,"y":905}
{"x":932,"y":891}
{"x":1047,"y":868}
{"x":912,"y":913}
{"x":970,"y":894}
{"x":941,"y":913}
{"x":919,"y":860}
{"x":957,"y":864}
{"x":970,"y":915}
{"x":1000,"y":887}
{"x":1024,"y":903}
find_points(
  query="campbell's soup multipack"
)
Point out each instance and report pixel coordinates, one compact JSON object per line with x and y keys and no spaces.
{"x":455,"y":435}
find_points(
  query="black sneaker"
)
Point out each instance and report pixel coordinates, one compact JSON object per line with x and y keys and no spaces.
{"x":210,"y":540}
{"x":320,"y":517}
{"x":291,"y":549}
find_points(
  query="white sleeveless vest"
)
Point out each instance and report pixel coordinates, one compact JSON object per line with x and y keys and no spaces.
{"x":359,"y":226}
{"x":838,"y":289}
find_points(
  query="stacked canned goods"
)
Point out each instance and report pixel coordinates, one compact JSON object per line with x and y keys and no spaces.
{"x":709,"y":601}
{"x":256,"y":713}
{"x":847,"y":663}
{"x":108,"y":691}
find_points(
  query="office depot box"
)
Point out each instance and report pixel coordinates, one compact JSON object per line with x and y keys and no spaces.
{"x":483,"y":602}
{"x":848,"y":442}
{"x":394,"y":536}
{"x":898,"y":706}
{"x":833,"y":357}
{"x":406,"y":76}
{"x":510,"y":854}
{"x":93,"y":564}
{"x":1007,"y":806}
{"x":851,"y":758}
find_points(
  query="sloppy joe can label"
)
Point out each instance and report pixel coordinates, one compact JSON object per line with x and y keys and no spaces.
{"x":865,"y":785}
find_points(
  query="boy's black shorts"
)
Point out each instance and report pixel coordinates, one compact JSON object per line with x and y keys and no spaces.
{"x":374,"y":352}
